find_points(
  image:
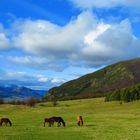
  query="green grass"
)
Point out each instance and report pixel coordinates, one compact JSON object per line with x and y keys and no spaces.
{"x":102,"y":121}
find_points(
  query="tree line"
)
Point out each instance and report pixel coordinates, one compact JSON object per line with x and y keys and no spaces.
{"x":31,"y":101}
{"x":127,"y":94}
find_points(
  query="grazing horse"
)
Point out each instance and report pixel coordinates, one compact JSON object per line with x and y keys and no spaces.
{"x":79,"y":120}
{"x":59,"y":120}
{"x":50,"y":122}
{"x":6,"y":121}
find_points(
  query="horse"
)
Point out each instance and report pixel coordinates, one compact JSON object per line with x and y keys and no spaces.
{"x":53,"y":119}
{"x":6,"y":121}
{"x":59,"y":120}
{"x":50,"y":121}
{"x":80,"y":120}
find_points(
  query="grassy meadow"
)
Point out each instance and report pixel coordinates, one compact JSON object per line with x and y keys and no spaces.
{"x":102,"y":121}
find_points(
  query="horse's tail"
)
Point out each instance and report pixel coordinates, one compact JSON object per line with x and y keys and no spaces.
{"x":0,"y":122}
{"x":10,"y":122}
{"x":82,"y":122}
{"x":44,"y":122}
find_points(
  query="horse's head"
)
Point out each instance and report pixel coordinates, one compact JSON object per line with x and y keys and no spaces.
{"x":64,"y":124}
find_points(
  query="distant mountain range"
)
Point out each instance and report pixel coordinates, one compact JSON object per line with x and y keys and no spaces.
{"x":110,"y":78}
{"x":19,"y":92}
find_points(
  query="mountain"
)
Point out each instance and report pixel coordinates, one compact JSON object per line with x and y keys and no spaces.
{"x":116,"y":76}
{"x":19,"y":92}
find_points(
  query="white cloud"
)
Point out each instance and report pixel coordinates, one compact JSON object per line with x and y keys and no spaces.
{"x":15,"y":75}
{"x":42,"y":78}
{"x":4,"y":41}
{"x":28,"y":60}
{"x":45,"y":38}
{"x":101,"y":28}
{"x":21,"y":78}
{"x":108,"y":44}
{"x":58,"y":80}
{"x":84,"y":41}
{"x":105,"y":3}
{"x":38,"y":62}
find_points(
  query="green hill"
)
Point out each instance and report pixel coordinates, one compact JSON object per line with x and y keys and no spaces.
{"x":98,"y":83}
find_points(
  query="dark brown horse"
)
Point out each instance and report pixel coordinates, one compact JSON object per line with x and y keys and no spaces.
{"x":80,"y":120}
{"x":6,"y":121}
{"x":59,"y":120}
{"x":51,"y":121}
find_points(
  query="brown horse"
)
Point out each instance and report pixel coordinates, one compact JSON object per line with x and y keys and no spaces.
{"x":59,"y":120}
{"x":80,"y":120}
{"x":51,"y":121}
{"x":6,"y":121}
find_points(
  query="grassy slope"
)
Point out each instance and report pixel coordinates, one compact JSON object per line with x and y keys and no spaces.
{"x":103,"y":121}
{"x":115,"y":76}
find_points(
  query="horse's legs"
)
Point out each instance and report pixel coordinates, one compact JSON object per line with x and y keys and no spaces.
{"x":78,"y":123}
{"x":82,"y":123}
{"x":44,"y":123}
{"x":49,"y":124}
{"x":9,"y":123}
{"x":59,"y":123}
{"x":6,"y":123}
{"x":52,"y":123}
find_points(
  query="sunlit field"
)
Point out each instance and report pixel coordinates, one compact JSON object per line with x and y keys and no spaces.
{"x":102,"y":121}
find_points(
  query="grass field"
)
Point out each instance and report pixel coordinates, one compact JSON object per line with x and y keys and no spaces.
{"x":102,"y":121}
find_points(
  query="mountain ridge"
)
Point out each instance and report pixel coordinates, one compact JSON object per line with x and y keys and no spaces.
{"x":112,"y":77}
{"x":19,"y":92}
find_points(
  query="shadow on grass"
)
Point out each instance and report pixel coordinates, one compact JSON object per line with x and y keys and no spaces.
{"x":85,"y":125}
{"x":70,"y":126}
{"x":89,"y":125}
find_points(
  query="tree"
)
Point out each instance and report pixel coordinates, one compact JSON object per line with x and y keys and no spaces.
{"x":1,"y":101}
{"x":31,"y":101}
{"x":54,"y":102}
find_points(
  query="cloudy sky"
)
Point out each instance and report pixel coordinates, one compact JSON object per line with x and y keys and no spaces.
{"x":44,"y":43}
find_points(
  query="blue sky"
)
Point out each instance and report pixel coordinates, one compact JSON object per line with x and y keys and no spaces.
{"x":44,"y":43}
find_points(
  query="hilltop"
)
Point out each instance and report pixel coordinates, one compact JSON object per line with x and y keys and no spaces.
{"x":116,"y":76}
